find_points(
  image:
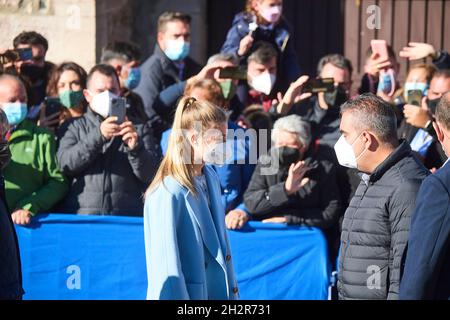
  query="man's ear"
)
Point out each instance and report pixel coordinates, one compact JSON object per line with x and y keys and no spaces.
{"x":160,"y":39}
{"x":439,"y":132}
{"x":370,"y":142}
{"x":87,"y":95}
{"x":118,"y":69}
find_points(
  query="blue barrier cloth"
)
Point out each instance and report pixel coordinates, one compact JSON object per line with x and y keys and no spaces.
{"x":276,"y":262}
{"x":103,"y":257}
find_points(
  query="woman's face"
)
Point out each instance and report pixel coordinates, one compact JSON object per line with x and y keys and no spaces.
{"x":417,"y":75}
{"x":203,"y":142}
{"x":270,"y":10}
{"x":69,"y":80}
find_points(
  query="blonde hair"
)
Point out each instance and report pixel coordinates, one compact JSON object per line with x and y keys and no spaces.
{"x":429,"y":70}
{"x":211,"y":87}
{"x":188,"y":113}
{"x":250,"y":9}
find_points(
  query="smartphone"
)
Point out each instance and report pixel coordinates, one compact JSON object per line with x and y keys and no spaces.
{"x":25,"y":54}
{"x":380,"y":47}
{"x":52,"y":106}
{"x":118,"y":109}
{"x":316,"y":85}
{"x":233,"y":73}
{"x":415,"y":97}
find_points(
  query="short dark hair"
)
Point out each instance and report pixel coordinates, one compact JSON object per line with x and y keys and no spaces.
{"x":264,"y":52}
{"x":104,"y":69}
{"x":374,"y":114}
{"x":442,"y":113}
{"x":337,"y":60}
{"x":442,"y":73}
{"x":170,"y":16}
{"x":31,"y":38}
{"x":126,"y":51}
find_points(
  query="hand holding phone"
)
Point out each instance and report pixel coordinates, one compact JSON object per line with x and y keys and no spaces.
{"x":414,"y":97}
{"x":380,"y":47}
{"x":236,"y":73}
{"x":15,"y":55}
{"x":118,"y":108}
{"x":316,"y":85}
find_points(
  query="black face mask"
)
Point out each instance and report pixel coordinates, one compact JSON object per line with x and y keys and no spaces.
{"x":336,"y":98}
{"x":5,"y":154}
{"x":32,"y":72}
{"x":432,"y":104}
{"x":288,"y":156}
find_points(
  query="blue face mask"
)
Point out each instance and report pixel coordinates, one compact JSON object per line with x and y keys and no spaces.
{"x":386,"y":82}
{"x":177,"y":50}
{"x":15,"y":112}
{"x":416,"y":86}
{"x":134,"y":77}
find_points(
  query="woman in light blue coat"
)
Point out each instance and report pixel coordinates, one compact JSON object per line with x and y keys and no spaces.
{"x":187,"y":249}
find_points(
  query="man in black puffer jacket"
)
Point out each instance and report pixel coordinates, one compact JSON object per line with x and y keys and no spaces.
{"x":376,"y":224}
{"x":109,"y":164}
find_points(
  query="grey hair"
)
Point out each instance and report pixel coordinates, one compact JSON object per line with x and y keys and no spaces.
{"x":294,"y":124}
{"x":443,"y":110}
{"x":223,"y":57}
{"x":374,"y":114}
{"x":337,"y":60}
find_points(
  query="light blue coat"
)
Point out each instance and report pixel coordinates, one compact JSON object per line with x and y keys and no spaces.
{"x":187,"y":249}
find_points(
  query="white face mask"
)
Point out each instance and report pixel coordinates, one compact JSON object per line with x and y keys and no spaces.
{"x":218,"y":154}
{"x":345,"y":154}
{"x":263,"y":83}
{"x":101,"y":103}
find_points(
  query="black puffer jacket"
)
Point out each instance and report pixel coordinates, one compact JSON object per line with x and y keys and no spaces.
{"x":106,"y":177}
{"x":376,"y":226}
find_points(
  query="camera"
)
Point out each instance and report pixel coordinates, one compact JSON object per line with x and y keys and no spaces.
{"x":14,"y":55}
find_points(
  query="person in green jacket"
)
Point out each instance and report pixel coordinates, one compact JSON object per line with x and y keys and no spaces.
{"x":33,"y":181}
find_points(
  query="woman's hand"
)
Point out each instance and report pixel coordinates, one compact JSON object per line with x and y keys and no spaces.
{"x":21,"y":217}
{"x":236,"y":219}
{"x":418,"y":50}
{"x":295,"y":180}
{"x":293,"y":95}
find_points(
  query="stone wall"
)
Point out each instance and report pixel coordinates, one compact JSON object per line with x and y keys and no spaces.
{"x":78,"y":29}
{"x":68,"y":25}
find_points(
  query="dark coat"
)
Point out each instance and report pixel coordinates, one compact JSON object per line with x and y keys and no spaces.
{"x":316,"y":204}
{"x":435,"y":156}
{"x":10,"y":267}
{"x":376,"y":225}
{"x":427,"y":267}
{"x":135,"y":107}
{"x":443,"y":61}
{"x":158,"y":73}
{"x":106,"y":177}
